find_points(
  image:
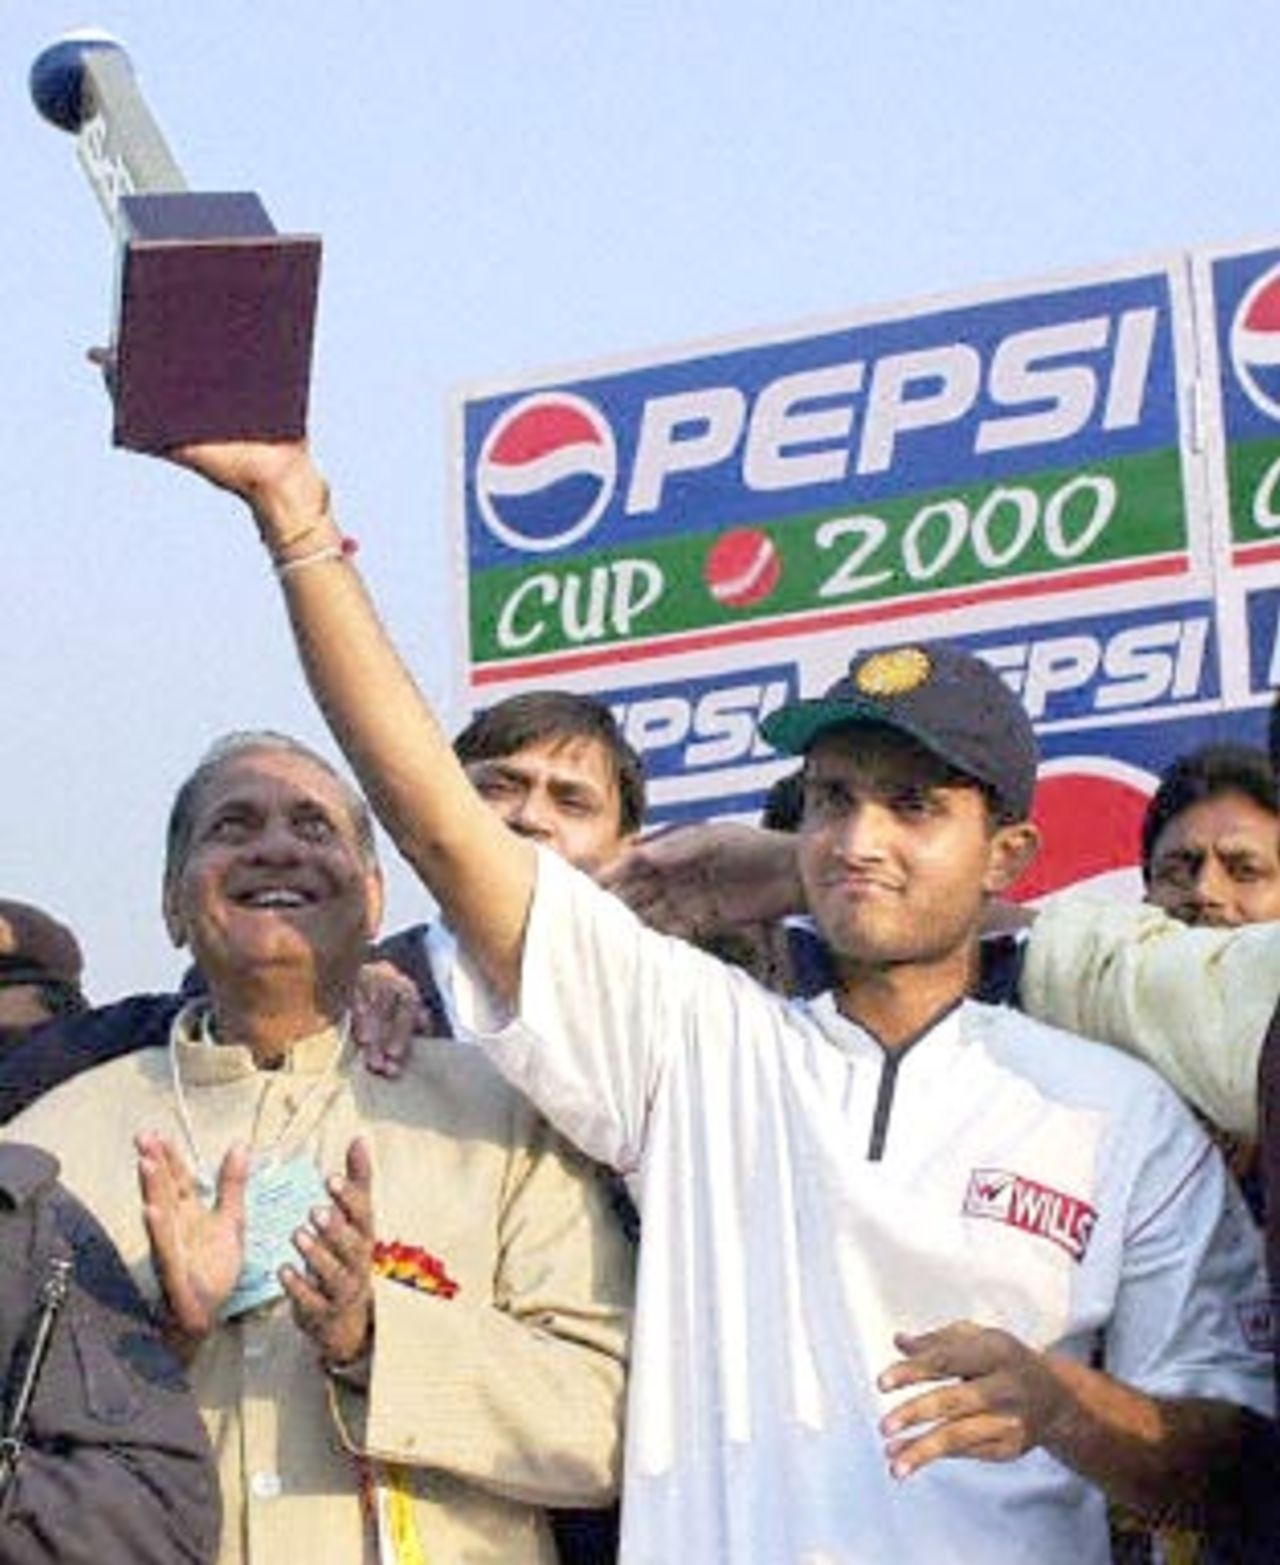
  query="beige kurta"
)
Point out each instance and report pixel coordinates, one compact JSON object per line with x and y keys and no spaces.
{"x":504,"y":1398}
{"x":1194,"y":1003}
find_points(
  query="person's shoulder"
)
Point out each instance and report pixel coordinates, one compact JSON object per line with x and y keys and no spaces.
{"x":139,"y":1066}
{"x":135,"y":1021}
{"x":34,"y":1199}
{"x":66,"y":1109}
{"x":26,"y":1173}
{"x":1076,"y":1070}
{"x":444,"y":1080}
{"x":451,"y":1088}
{"x":1078,"y":923}
{"x":149,"y":1013}
{"x":37,"y":1060}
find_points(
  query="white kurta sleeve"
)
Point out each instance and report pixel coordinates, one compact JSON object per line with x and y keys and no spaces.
{"x":1191,"y":1315}
{"x":1193,"y":1003}
{"x":604,"y":1005}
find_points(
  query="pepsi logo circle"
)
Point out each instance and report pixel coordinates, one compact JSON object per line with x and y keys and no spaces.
{"x":1255,"y":343}
{"x":546,"y":472}
{"x":1089,"y":811}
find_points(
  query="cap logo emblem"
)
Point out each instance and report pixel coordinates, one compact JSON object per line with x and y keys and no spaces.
{"x":893,"y":673}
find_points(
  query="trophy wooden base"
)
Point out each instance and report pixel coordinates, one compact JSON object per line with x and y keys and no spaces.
{"x":214,"y":322}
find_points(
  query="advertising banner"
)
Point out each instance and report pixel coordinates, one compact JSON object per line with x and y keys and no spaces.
{"x":1240,"y":349}
{"x":1079,"y":478}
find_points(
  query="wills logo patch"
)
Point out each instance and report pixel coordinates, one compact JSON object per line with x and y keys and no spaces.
{"x":1000,"y":1196}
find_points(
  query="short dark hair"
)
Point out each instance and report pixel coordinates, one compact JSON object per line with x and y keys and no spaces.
{"x":552,"y":716}
{"x":784,"y":802}
{"x":1208,"y":772}
{"x":230,"y":747}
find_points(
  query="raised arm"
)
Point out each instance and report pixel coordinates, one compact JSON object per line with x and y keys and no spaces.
{"x":481,"y":874}
{"x":1194,"y":1003}
{"x":709,"y":879}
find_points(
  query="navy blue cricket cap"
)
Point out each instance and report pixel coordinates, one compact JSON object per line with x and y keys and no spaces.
{"x":946,"y":699}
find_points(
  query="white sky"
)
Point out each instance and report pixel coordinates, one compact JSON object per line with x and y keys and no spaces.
{"x":501,"y":188}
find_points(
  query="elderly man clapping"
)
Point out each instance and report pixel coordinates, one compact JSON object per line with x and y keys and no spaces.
{"x":404,"y":1302}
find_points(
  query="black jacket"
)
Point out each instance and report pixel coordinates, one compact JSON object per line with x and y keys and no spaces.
{"x":116,"y":1467}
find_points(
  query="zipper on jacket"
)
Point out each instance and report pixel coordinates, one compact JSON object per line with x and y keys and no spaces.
{"x":892,"y":1061}
{"x":884,"y":1103}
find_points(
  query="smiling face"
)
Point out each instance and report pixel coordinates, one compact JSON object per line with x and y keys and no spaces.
{"x":273,"y":875}
{"x":560,"y":792}
{"x":898,"y":854}
{"x":1217,"y":862}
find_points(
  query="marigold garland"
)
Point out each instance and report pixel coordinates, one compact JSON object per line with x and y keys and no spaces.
{"x":414,"y":1267}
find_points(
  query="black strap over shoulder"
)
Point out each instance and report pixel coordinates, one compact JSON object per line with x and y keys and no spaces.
{"x":28,"y":1365}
